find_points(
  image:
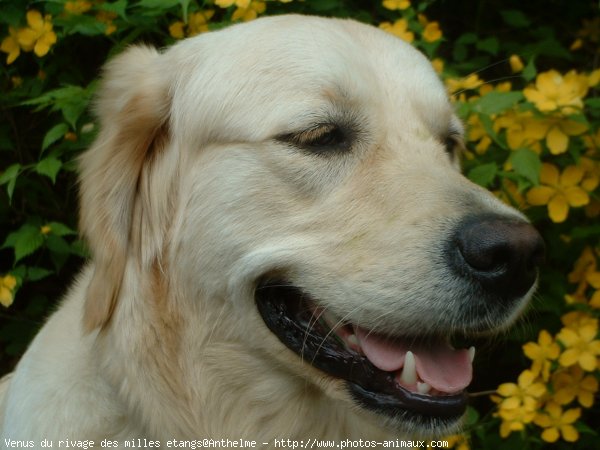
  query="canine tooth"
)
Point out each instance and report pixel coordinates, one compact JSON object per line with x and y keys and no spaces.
{"x":471,"y":353}
{"x":423,"y":388}
{"x":409,"y":373}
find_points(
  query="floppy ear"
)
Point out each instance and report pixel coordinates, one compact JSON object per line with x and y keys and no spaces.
{"x":119,"y":215}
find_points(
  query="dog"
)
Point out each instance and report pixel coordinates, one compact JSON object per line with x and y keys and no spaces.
{"x":283,"y":247}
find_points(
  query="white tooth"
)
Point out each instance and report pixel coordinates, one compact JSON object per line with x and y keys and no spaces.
{"x":471,"y":353}
{"x":409,"y":373}
{"x":352,"y":340}
{"x":423,"y":388}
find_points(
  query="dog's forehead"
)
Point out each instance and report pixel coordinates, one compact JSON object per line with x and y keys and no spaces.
{"x":297,"y":67}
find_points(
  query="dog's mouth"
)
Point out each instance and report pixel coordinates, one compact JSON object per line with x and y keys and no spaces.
{"x":421,"y":379}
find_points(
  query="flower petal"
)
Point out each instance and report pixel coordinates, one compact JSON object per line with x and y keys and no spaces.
{"x":557,"y":141}
{"x":558,"y":209}
{"x":576,"y":196}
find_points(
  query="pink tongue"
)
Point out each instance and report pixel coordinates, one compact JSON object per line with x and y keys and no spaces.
{"x":442,"y":367}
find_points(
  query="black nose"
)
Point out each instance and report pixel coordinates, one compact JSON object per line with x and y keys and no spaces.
{"x":499,"y":253}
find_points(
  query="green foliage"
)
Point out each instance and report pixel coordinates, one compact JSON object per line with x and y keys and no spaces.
{"x":500,"y":59}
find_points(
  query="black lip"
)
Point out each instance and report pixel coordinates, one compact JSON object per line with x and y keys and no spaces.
{"x":286,"y":314}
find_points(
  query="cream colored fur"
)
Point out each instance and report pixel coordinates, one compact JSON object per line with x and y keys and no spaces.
{"x":187,"y":197}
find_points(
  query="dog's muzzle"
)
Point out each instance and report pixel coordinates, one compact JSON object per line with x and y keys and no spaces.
{"x":415,"y":378}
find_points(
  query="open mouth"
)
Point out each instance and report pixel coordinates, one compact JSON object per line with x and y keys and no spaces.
{"x":421,"y":379}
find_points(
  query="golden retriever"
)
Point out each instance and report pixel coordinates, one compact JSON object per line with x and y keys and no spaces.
{"x":283,"y":248}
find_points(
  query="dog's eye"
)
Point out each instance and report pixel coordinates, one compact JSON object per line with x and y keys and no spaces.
{"x":323,"y":137}
{"x":453,"y":144}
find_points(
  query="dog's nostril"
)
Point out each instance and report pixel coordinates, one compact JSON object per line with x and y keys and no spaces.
{"x":502,"y":254}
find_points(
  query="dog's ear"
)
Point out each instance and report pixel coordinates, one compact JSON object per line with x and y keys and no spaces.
{"x":121,"y":218}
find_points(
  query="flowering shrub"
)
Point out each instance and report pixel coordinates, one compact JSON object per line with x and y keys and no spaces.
{"x":527,"y":92}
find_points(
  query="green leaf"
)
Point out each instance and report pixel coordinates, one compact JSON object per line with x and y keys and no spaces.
{"x":488,"y":126}
{"x":496,"y":102}
{"x":529,"y":71}
{"x":593,"y":102}
{"x":82,"y":24}
{"x":326,"y":5}
{"x":515,"y":18}
{"x":527,"y":163}
{"x":57,"y":244}
{"x":157,"y":4}
{"x":27,"y":240}
{"x":184,"y":9}
{"x":54,"y":134}
{"x":49,"y":166}
{"x":11,"y":13}
{"x":37,"y":273}
{"x":467,"y":38}
{"x":471,"y":417}
{"x":9,"y":177}
{"x":489,"y":45}
{"x":70,"y":100}
{"x":483,"y":175}
{"x":59,"y":250}
{"x":585,"y":232}
{"x":459,"y":53}
{"x":79,"y":248}
{"x":119,"y":7}
{"x":60,"y":229}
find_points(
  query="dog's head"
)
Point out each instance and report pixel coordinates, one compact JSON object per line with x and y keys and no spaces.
{"x":296,"y":180}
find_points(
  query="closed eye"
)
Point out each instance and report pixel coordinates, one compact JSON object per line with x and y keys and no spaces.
{"x":320,"y":138}
{"x":453,"y":145}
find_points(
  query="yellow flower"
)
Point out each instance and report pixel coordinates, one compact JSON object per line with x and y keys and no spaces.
{"x":574,"y":383}
{"x":39,"y":36}
{"x":594,"y":280}
{"x":511,"y":195}
{"x":591,"y":177}
{"x":458,"y":442}
{"x":577,"y":319}
{"x":523,"y":130}
{"x":505,"y":86}
{"x":77,"y":6}
{"x":592,"y":141}
{"x":520,"y":402}
{"x":107,"y":17}
{"x":45,"y":229}
{"x":542,"y":353}
{"x":249,"y":13}
{"x":431,"y":30}
{"x":400,"y":29}
{"x":198,"y":22}
{"x":227,"y":3}
{"x":515,"y":420}
{"x":516,"y":64}
{"x":7,"y":285}
{"x":557,"y":423}
{"x":576,"y":45}
{"x":470,"y":82}
{"x":10,"y":45}
{"x":558,"y":191}
{"x":594,"y":78}
{"x":585,"y":264}
{"x":554,"y":92}
{"x":591,"y":29}
{"x":176,"y":30}
{"x":559,"y":130}
{"x":396,"y":4}
{"x":438,"y":65}
{"x":477,"y":133}
{"x":581,"y":347}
